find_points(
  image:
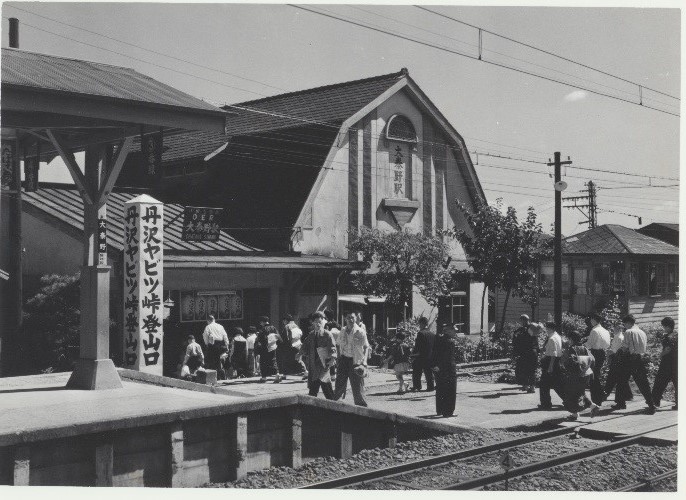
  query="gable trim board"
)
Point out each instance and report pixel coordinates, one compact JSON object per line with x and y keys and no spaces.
{"x":415,"y":93}
{"x":352,"y":181}
{"x":367,"y":172}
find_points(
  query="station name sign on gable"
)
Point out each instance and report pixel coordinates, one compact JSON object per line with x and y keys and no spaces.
{"x":201,"y":224}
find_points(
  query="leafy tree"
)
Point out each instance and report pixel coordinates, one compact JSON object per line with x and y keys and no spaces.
{"x":612,"y":314}
{"x":52,"y":316}
{"x":397,"y":261}
{"x":503,"y":252}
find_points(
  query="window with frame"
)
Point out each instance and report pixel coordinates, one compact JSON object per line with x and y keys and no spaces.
{"x":548,"y":279}
{"x":453,"y":310}
{"x":654,"y":278}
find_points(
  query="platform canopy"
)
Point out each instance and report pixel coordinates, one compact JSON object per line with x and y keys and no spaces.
{"x":54,"y":106}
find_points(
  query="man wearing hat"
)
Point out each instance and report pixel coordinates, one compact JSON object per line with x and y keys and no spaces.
{"x":443,"y":365}
{"x":550,"y":366}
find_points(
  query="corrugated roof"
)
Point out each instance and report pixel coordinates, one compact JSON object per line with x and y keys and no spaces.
{"x":331,"y":104}
{"x":54,"y":73}
{"x":614,"y":239}
{"x":65,"y":204}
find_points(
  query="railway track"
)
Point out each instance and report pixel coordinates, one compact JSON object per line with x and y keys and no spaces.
{"x":649,"y":483}
{"x":468,"y":469}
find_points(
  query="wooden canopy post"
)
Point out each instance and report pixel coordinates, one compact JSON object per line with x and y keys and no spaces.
{"x":94,"y":369}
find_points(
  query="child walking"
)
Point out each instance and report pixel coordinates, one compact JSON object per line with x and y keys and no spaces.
{"x":399,"y":360}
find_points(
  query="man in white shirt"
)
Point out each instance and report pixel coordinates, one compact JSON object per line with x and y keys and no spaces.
{"x":617,"y":363}
{"x":550,"y":367}
{"x":354,"y":348}
{"x":193,"y":359}
{"x":217,"y":343}
{"x":635,"y":344}
{"x":597,"y":342}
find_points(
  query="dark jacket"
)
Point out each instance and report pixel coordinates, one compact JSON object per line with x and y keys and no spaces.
{"x":424,"y":345}
{"x":443,"y":354}
{"x":313,"y":361}
{"x":261,"y":340}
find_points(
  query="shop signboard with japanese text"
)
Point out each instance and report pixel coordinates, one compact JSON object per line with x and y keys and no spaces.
{"x":201,"y":224}
{"x":223,"y":305}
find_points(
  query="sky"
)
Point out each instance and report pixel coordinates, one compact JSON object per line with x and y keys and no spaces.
{"x":232,"y":53}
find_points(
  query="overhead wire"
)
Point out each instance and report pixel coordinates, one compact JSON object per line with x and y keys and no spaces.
{"x":455,"y":52}
{"x":545,"y":52}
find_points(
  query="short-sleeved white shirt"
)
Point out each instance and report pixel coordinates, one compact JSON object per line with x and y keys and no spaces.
{"x":553,"y":346}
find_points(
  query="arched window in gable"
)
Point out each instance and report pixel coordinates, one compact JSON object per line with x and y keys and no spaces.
{"x":400,"y":128}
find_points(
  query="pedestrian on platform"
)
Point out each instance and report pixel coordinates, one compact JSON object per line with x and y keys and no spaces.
{"x":352,"y":360}
{"x":421,"y":354}
{"x":266,"y":344}
{"x":239,"y":356}
{"x":443,"y":365}
{"x":576,"y":373}
{"x":217,"y":343}
{"x":598,"y":342}
{"x":193,"y":359}
{"x":335,"y":329}
{"x":617,"y":363}
{"x":520,"y":341}
{"x":319,"y":352}
{"x":527,"y":358}
{"x":550,"y":367}
{"x":293,"y":338}
{"x":635,"y":346}
{"x":253,"y":364}
{"x":668,"y":371}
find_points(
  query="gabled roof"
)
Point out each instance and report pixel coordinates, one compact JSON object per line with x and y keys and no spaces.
{"x":65,"y":204}
{"x":326,"y":107}
{"x":46,"y":72}
{"x":661,"y":225}
{"x":612,"y":239}
{"x":330,"y":105}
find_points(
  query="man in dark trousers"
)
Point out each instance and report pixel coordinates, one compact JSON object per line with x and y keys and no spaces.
{"x":443,"y":364}
{"x":598,"y":342}
{"x":668,"y":363}
{"x":635,"y":346}
{"x":423,"y":348}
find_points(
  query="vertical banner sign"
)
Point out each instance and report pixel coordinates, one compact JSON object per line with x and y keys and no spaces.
{"x":143,"y":270}
{"x":151,"y":147}
{"x":102,"y":242}
{"x":9,"y":172}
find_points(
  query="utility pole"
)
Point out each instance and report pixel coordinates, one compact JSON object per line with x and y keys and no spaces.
{"x":591,"y":215}
{"x":559,"y":187}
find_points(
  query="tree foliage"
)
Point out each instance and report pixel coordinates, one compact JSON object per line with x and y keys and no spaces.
{"x":397,"y":261}
{"x":502,"y":251}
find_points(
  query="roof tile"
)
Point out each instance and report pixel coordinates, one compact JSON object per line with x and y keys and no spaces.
{"x":612,"y":239}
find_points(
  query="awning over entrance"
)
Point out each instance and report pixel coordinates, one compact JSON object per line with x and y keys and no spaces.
{"x":256,"y":261}
{"x":361,"y":299}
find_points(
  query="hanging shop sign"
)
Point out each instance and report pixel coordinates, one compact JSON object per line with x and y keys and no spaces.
{"x":151,"y":147}
{"x":201,"y":224}
{"x":223,"y":305}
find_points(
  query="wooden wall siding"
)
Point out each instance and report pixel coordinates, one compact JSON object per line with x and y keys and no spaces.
{"x":142,"y":458}
{"x":58,"y":463}
{"x":440,"y":153}
{"x":269,"y":439}
{"x":367,"y":173}
{"x":516,"y":307}
{"x":207,"y":456}
{"x":353,"y":221}
{"x":653,"y":309}
{"x":427,"y":189}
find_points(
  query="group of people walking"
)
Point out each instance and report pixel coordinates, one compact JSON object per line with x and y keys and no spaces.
{"x":571,"y":366}
{"x":263,"y":351}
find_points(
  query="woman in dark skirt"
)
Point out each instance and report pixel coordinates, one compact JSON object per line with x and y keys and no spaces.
{"x":527,"y":350}
{"x":443,"y":364}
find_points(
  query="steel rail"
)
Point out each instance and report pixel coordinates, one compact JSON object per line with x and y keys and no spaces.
{"x":648,"y":482}
{"x":394,"y":470}
{"x":621,"y":442}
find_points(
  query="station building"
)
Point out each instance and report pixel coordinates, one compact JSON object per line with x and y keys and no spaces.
{"x":301,"y":171}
